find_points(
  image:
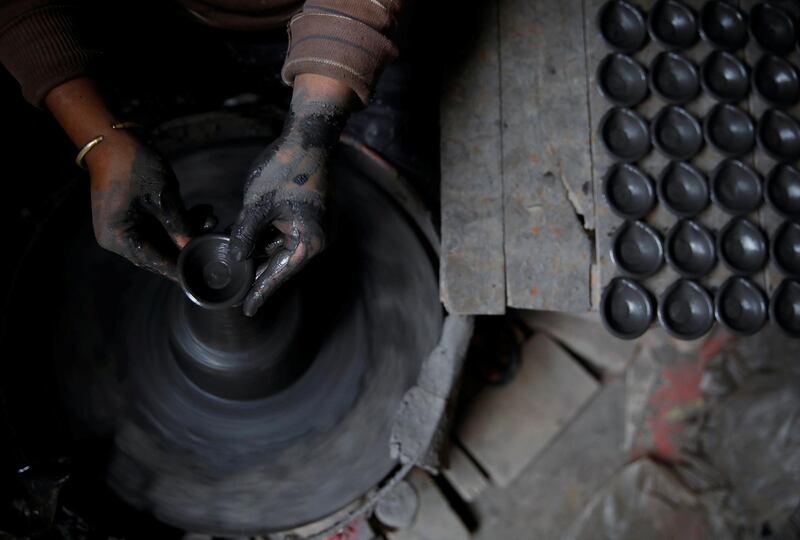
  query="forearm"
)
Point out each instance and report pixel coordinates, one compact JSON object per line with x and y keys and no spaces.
{"x":79,"y":107}
{"x":320,"y":107}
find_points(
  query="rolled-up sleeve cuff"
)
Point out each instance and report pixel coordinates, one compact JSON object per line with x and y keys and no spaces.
{"x":338,"y":46}
{"x":44,"y":48}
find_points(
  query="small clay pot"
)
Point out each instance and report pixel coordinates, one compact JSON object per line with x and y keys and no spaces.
{"x":627,"y":309}
{"x":773,"y":29}
{"x":690,"y":249}
{"x":742,"y":246}
{"x":730,"y":130}
{"x":779,"y":135}
{"x":725,"y":77}
{"x":736,"y":187}
{"x":622,"y":25}
{"x":674,"y":78}
{"x":785,"y":307}
{"x":625,"y":135}
{"x":686,"y":310}
{"x":741,"y":306}
{"x":683,"y":189}
{"x":676,"y":133}
{"x":786,"y":248}
{"x":629,"y":191}
{"x":673,"y":24}
{"x":724,"y":25}
{"x":622,"y":80}
{"x":637,"y":249}
{"x":209,"y":275}
{"x":777,"y":81}
{"x":783,"y":190}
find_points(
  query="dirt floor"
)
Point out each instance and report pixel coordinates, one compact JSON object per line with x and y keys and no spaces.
{"x":593,"y":437}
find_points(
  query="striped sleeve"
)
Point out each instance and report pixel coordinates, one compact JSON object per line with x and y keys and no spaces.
{"x":347,"y":40}
{"x":43,"y":45}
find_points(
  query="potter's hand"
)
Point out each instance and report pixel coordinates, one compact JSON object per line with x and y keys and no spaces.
{"x":284,"y":200}
{"x":135,"y":201}
{"x":134,"y":192}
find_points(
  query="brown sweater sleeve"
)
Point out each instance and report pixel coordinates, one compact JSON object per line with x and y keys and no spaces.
{"x":343,"y":39}
{"x":42,"y":45}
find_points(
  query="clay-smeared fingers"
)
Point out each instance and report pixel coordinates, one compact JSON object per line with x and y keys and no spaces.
{"x":270,"y":276}
{"x":296,"y":251}
{"x":173,"y":217}
{"x":274,"y":245}
{"x":147,"y":255}
{"x":248,"y":226}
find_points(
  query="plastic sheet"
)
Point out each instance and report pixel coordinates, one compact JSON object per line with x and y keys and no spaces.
{"x":741,"y":475}
{"x":646,"y":500}
{"x":746,"y":444}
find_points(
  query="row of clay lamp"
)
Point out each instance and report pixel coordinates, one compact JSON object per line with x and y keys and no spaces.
{"x":628,"y":136}
{"x":687,"y":310}
{"x":675,"y":26}
{"x":677,"y":80}
{"x":683,"y":189}
{"x":691,"y":249}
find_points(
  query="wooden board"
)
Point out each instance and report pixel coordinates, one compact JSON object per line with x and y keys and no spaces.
{"x":472,"y":258}
{"x":538,"y":145}
{"x":546,"y":161}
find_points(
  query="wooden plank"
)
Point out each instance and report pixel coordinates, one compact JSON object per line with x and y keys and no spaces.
{"x":506,"y":427}
{"x":472,"y":259}
{"x":546,"y":162}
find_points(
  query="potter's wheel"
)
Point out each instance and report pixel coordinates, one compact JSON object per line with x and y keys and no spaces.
{"x":345,"y":339}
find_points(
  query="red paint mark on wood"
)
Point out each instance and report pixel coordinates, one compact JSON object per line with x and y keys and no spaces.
{"x":678,"y":394}
{"x":676,"y":398}
{"x":715,"y":343}
{"x":536,"y":230}
{"x":534,"y":291}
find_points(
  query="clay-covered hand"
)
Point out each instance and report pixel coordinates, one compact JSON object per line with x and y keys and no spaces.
{"x":284,"y":201}
{"x":136,"y":208}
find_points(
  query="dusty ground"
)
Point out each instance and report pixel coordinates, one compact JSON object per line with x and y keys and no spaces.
{"x":584,"y":413}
